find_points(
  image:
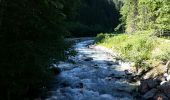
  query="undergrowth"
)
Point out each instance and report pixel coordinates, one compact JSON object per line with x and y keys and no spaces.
{"x":140,"y":49}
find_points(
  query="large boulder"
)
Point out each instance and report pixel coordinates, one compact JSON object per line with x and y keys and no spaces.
{"x":148,"y":84}
{"x":152,"y":83}
{"x":143,"y":88}
{"x":150,"y":94}
{"x":168,"y":78}
{"x":156,"y":71}
{"x":165,"y":88}
{"x":55,"y":70}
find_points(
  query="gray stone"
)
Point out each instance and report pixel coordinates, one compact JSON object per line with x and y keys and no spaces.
{"x":110,"y":63}
{"x":149,"y":83}
{"x":152,"y":83}
{"x":150,"y":94}
{"x":143,"y":87}
{"x":88,"y":59}
{"x":163,"y":82}
{"x":161,"y":79}
{"x":127,"y":72}
{"x":165,"y":87}
{"x":168,"y":78}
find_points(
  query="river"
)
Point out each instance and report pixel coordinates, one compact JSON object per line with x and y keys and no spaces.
{"x":93,"y":74}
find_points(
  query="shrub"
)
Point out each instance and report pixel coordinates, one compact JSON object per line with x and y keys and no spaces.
{"x":162,"y":51}
{"x":137,"y":48}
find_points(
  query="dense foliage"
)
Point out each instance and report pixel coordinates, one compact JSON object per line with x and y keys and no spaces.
{"x":141,"y":49}
{"x":31,"y":34}
{"x":143,"y":20}
{"x":146,"y":15}
{"x":95,"y":16}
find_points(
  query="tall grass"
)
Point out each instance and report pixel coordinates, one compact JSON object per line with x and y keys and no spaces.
{"x":137,"y":48}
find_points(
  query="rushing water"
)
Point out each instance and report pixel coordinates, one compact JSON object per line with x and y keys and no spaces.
{"x":94,"y":75}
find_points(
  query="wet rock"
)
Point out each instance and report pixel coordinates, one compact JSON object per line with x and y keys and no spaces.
{"x":150,"y":94}
{"x":91,"y":46}
{"x":110,"y":63}
{"x":152,"y":83}
{"x":143,"y":87}
{"x":127,"y":72}
{"x":160,"y":96}
{"x":165,"y":87}
{"x":127,"y":88}
{"x":116,"y":62}
{"x":133,"y":79}
{"x":163,"y":82}
{"x":79,"y":85}
{"x":161,"y":78}
{"x":148,"y":84}
{"x":88,"y":59}
{"x":118,"y":77}
{"x":55,"y":70}
{"x":109,"y":78}
{"x":111,"y":75}
{"x":96,"y":66}
{"x":168,"y":78}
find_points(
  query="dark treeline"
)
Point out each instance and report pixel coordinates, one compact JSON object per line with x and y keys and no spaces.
{"x":31,"y":34}
{"x":94,"y":16}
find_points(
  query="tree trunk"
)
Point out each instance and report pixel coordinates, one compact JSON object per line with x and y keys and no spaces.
{"x":132,"y":25}
{"x":134,"y":16}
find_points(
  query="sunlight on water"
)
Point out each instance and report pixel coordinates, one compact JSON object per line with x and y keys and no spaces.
{"x":87,"y":78}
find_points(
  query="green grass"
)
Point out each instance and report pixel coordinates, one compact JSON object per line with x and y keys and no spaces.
{"x":162,"y":51}
{"x":137,"y":48}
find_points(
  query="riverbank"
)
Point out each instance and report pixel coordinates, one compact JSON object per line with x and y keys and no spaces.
{"x":149,"y":55}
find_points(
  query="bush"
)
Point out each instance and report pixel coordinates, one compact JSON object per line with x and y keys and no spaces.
{"x":137,"y":48}
{"x":162,"y":51}
{"x":100,"y":38}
